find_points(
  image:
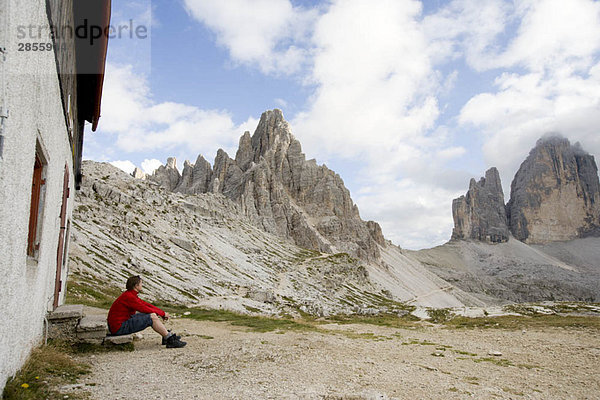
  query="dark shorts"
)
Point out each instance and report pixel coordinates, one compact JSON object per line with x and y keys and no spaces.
{"x":138,"y":322}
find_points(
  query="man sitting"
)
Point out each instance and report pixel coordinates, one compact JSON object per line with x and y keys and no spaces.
{"x":123,"y":320}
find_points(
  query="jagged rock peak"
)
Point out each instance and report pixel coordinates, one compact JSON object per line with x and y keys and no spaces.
{"x":167,"y":175}
{"x":555,"y":195}
{"x":480,"y":214}
{"x":245,"y":154}
{"x":139,"y":174}
{"x":281,"y":192}
{"x":273,"y":131}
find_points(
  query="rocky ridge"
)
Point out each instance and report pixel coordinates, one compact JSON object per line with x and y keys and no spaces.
{"x":280,"y":191}
{"x":203,"y":250}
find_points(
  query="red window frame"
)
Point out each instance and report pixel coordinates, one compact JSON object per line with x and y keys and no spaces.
{"x":34,"y":211}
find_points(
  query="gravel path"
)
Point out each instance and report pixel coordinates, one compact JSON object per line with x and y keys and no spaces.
{"x":352,"y":362}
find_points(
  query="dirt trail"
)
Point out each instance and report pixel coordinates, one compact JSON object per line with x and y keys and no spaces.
{"x":352,"y":362}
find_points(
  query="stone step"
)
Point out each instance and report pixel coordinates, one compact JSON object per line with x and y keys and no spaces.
{"x":67,"y":311}
{"x":92,"y":323}
{"x":119,"y":339}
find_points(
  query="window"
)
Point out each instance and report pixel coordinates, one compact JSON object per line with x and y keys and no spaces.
{"x":37,"y":194}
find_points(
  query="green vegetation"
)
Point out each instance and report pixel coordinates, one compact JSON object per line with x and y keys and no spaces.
{"x":255,"y":323}
{"x":502,"y":362}
{"x":47,"y":368}
{"x":516,"y":322}
{"x":439,"y":315}
{"x":512,"y":391}
{"x":86,"y":292}
{"x":83,"y":348}
{"x":390,"y":320}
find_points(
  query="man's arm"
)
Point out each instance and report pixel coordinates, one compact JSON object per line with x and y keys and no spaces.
{"x":143,"y":307}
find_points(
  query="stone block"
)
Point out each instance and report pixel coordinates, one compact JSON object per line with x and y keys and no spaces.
{"x":92,"y":323}
{"x":67,"y":311}
{"x":99,"y":335}
{"x":123,"y":339}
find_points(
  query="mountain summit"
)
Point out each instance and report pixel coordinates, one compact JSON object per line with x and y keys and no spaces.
{"x":281,"y":191}
{"x":555,"y":195}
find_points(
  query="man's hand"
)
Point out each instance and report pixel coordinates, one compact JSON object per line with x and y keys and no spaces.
{"x":167,"y":316}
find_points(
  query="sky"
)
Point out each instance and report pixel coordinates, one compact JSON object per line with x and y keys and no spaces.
{"x":406,"y":100}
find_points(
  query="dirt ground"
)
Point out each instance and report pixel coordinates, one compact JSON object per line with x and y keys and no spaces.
{"x":352,"y":362}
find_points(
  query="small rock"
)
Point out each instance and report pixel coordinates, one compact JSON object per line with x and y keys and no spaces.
{"x":187,"y":313}
{"x":437,"y":354}
{"x":138,"y":336}
{"x":495,"y":353}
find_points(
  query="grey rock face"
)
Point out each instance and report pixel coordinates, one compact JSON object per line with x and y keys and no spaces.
{"x":282,"y":192}
{"x":195,"y":178}
{"x":138,"y":174}
{"x":480,"y":214}
{"x":555,"y":195}
{"x":167,"y":175}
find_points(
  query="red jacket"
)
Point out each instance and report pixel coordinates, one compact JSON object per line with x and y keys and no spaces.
{"x":125,"y":306}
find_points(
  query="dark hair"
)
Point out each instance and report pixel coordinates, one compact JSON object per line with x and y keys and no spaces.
{"x":132,"y":281}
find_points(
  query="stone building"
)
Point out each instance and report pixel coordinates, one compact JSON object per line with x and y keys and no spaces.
{"x":51,"y":80}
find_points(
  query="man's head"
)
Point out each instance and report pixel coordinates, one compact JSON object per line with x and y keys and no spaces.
{"x":134,"y":282}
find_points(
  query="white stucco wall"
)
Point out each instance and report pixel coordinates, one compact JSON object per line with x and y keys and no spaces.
{"x":35,"y":113}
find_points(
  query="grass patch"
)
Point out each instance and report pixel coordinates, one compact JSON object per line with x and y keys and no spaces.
{"x":439,"y":315}
{"x":90,"y":294}
{"x":86,"y":348}
{"x":513,"y":391}
{"x":255,"y":323}
{"x":47,"y":368}
{"x":465,"y":353}
{"x":515,"y":322}
{"x":502,"y":362}
{"x":390,"y":320}
{"x":364,"y":335}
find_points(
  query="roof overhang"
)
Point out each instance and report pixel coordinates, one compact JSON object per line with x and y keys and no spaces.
{"x":92,"y":19}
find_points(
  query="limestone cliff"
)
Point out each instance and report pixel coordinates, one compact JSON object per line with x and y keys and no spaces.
{"x":167,"y":175}
{"x":555,"y":195}
{"x":282,"y":192}
{"x":480,"y":214}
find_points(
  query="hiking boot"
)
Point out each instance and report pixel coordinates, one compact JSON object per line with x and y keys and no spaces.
{"x":164,"y":341}
{"x":174,"y":343}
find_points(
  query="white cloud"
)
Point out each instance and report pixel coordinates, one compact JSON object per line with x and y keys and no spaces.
{"x":553,"y":33}
{"x":271,"y":34}
{"x":466,"y":28}
{"x":557,"y":47}
{"x":149,"y":166}
{"x":125,"y":165}
{"x":410,"y":213}
{"x":139,"y":124}
{"x":379,"y":70}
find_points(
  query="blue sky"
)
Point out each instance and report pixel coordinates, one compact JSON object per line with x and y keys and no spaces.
{"x":405,"y":99}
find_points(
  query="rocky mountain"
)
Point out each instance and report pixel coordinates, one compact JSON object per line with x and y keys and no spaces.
{"x":271,"y":232}
{"x":555,"y":195}
{"x":204,"y":249}
{"x":539,"y":252}
{"x":480,"y":214}
{"x":282,"y":192}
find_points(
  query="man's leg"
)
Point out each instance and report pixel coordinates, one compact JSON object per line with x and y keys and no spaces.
{"x":158,"y":326}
